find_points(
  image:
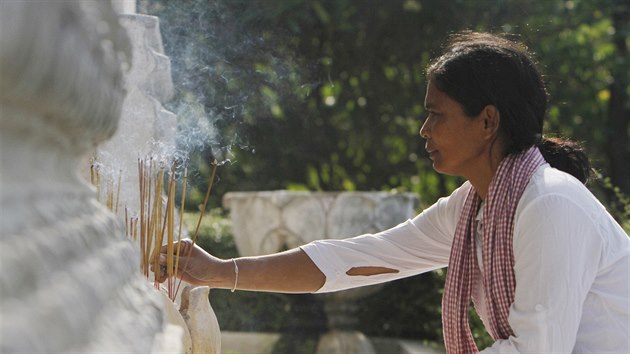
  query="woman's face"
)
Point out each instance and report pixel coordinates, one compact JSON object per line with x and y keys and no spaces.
{"x":454,"y":141}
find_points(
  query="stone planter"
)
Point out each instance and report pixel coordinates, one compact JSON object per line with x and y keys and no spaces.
{"x":266,"y":222}
{"x":270,"y":221}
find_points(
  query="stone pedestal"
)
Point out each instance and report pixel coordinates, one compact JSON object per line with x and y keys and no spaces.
{"x":69,"y":280}
{"x":344,"y":342}
{"x":341,"y":311}
{"x":270,"y":221}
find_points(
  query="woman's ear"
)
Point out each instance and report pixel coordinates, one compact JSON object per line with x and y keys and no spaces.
{"x":491,"y":120}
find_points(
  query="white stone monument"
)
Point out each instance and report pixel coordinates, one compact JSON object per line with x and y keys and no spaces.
{"x":69,"y":279}
{"x":146,"y":128}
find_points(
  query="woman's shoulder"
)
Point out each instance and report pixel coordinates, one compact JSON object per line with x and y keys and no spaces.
{"x":549,"y":181}
{"x":550,"y":190}
{"x":556,"y":208}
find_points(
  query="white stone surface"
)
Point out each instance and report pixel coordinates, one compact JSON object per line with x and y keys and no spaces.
{"x":201,"y":320}
{"x":146,"y":128}
{"x":69,"y":279}
{"x":124,"y":6}
{"x":175,"y":319}
{"x":248,"y":342}
{"x":269,"y":221}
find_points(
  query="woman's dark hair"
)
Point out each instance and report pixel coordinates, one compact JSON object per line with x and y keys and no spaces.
{"x":480,"y":69}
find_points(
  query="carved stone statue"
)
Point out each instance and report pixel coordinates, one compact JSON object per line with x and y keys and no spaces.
{"x":69,"y":278}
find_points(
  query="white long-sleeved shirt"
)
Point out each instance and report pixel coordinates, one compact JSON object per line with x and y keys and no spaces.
{"x":572,"y":265}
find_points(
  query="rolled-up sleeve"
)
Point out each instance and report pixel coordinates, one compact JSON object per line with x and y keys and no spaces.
{"x":415,"y":246}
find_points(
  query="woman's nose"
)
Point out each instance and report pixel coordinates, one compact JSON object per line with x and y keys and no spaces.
{"x":424,"y":130}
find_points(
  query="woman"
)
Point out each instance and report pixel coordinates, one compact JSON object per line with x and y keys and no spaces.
{"x":545,"y":264}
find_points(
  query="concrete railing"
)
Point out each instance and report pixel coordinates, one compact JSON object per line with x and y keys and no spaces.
{"x":270,"y":221}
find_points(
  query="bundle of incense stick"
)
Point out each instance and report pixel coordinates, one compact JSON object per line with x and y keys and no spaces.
{"x":151,"y":184}
{"x":95,"y":178}
{"x":155,"y":221}
{"x":155,"y":226}
{"x":201,"y":214}
{"x":179,"y":230}
{"x":168,"y":225}
{"x":111,"y":202}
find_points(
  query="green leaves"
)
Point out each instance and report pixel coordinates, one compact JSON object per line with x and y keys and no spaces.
{"x":328,"y":95}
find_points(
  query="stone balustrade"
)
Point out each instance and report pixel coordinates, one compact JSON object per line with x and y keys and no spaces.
{"x":270,"y":221}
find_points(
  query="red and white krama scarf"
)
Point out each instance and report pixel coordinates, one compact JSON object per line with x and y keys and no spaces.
{"x":499,"y":282}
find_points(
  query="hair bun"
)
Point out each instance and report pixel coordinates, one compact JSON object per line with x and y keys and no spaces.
{"x":566,"y":155}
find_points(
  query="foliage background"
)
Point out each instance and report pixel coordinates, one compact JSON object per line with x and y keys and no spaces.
{"x":328,"y":95}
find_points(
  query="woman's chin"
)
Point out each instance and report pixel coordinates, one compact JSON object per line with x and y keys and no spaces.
{"x":439,"y":168}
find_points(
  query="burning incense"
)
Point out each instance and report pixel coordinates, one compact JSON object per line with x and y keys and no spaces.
{"x":126,"y":224}
{"x":110,"y":195}
{"x":203,"y":211}
{"x":141,"y":175}
{"x":170,"y":232}
{"x":155,"y":221}
{"x":181,"y":221}
{"x":133,"y":228}
{"x":118,"y":192}
{"x":164,"y":221}
{"x":98,"y":183}
{"x":154,"y":217}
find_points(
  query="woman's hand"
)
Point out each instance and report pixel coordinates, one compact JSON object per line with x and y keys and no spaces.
{"x":201,"y":268}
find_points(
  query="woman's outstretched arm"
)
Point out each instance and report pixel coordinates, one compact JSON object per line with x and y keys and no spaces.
{"x":290,"y":271}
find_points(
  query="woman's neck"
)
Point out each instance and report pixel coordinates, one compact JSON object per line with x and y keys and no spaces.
{"x":482,"y":176}
{"x":481,"y":182}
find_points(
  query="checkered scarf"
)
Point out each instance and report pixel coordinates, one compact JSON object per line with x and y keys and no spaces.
{"x":499,"y":281}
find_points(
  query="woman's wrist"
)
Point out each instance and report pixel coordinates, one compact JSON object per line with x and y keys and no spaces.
{"x":235,"y":275}
{"x":227,"y":278}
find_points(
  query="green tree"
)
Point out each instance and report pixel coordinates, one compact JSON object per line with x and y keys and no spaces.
{"x":328,"y":94}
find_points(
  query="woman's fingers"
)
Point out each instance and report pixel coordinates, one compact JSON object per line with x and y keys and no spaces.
{"x":185,"y":244}
{"x":162,"y":275}
{"x":192,"y":266}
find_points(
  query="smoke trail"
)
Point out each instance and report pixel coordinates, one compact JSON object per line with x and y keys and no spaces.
{"x":227,"y":68}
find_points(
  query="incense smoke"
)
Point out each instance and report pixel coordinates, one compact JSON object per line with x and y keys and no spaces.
{"x":226,"y":68}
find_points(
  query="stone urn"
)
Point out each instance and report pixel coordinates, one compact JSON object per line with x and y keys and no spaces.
{"x":265,"y":222}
